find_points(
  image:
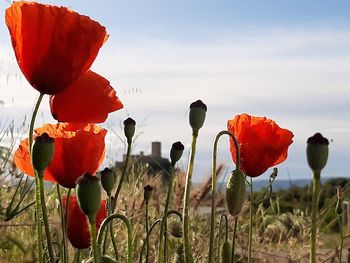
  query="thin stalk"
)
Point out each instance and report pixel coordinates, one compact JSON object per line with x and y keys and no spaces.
{"x":65,"y":259}
{"x":37,"y":192}
{"x":223,"y":216}
{"x":129,"y":229}
{"x":45,"y":218}
{"x":38,"y":219}
{"x":163,"y":255}
{"x":250,"y":237}
{"x":213,"y":189}
{"x":314,"y":212}
{"x":66,"y":218}
{"x":186,"y":204}
{"x":147,"y":231}
{"x":94,"y":240}
{"x":233,"y":258}
{"x":111,"y":231}
{"x":149,"y":234}
{"x":341,"y":237}
{"x":125,"y":168}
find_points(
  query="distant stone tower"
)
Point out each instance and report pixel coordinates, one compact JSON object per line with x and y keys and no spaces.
{"x":156,"y":150}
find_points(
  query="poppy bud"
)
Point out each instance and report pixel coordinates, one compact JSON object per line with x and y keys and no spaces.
{"x":89,"y":195}
{"x":42,"y":151}
{"x":235,"y":192}
{"x":147,"y":193}
{"x":226,"y":252}
{"x":176,"y":152}
{"x":175,"y":229}
{"x":197,"y":115}
{"x":107,"y":180}
{"x":317,"y":152}
{"x":129,"y":129}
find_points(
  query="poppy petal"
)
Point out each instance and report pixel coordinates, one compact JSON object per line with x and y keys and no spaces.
{"x":76,"y":152}
{"x":262,"y":142}
{"x":78,"y":227}
{"x":54,"y":46}
{"x":88,"y":100}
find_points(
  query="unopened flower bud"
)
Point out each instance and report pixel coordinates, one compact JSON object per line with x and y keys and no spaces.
{"x":107,"y":180}
{"x":129,"y":129}
{"x":176,"y":152}
{"x":147,"y":193}
{"x":197,"y":115}
{"x":317,"y":152}
{"x":175,"y":229}
{"x":89,"y":195}
{"x":42,"y":151}
{"x":235,"y":192}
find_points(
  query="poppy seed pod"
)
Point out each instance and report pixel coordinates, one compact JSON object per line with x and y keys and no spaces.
{"x":235,"y":192}
{"x":42,"y":151}
{"x":107,"y":180}
{"x":317,"y":152}
{"x":147,"y":193}
{"x":176,"y":152}
{"x":129,"y":129}
{"x":175,"y":229}
{"x":197,"y":115}
{"x":89,"y":195}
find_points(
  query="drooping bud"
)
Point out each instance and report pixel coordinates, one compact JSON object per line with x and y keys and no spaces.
{"x":175,"y":229}
{"x":176,"y":152}
{"x":317,"y":152}
{"x":42,"y":151}
{"x":235,"y":192}
{"x":107,"y":180}
{"x":197,"y":115}
{"x":226,"y":252}
{"x":147,"y":193}
{"x":129,"y":129}
{"x":89,"y":195}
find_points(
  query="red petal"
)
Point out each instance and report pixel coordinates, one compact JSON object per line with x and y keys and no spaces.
{"x":88,"y":100}
{"x":53,"y":45}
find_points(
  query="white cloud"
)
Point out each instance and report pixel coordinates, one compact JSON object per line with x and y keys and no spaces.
{"x":299,"y":77}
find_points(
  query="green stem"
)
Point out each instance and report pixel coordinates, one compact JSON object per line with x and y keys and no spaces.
{"x":163,"y":230}
{"x":314,"y":212}
{"x":37,"y":192}
{"x":341,"y":237}
{"x":233,"y":258}
{"x":213,"y":189}
{"x":65,"y":260}
{"x":45,"y":217}
{"x":125,"y":168}
{"x":250,"y":237}
{"x":93,"y":240}
{"x":38,"y":219}
{"x":111,"y":231}
{"x":129,"y":229}
{"x":147,"y":231}
{"x":186,"y":204}
{"x":76,"y":256}
{"x":223,"y":216}
{"x":148,"y":235}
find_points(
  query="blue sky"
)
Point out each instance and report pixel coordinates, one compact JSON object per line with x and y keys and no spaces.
{"x":287,"y":60}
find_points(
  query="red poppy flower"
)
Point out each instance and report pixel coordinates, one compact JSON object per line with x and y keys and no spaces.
{"x":77,"y":150}
{"x":78,"y":229}
{"x":262,"y":142}
{"x":54,"y":46}
{"x":87,"y":100}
